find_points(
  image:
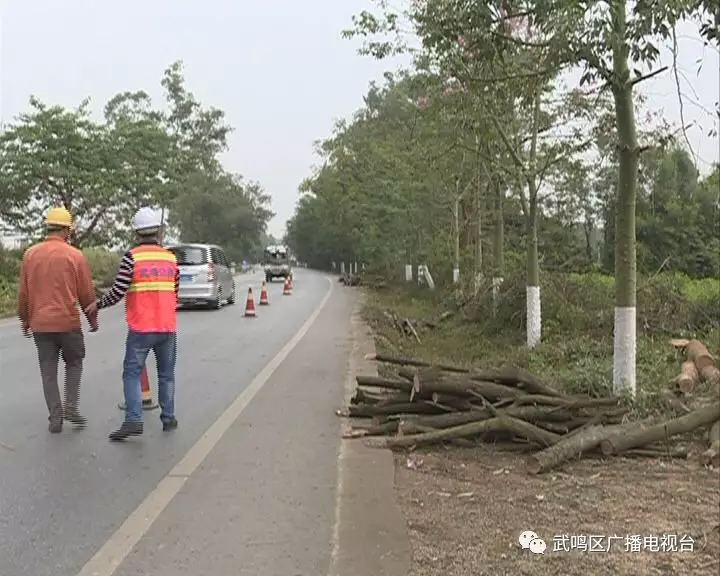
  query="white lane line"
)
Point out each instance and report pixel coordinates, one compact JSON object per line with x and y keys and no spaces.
{"x":107,"y":560}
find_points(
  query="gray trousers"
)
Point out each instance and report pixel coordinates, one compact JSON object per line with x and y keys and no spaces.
{"x":50,"y":345}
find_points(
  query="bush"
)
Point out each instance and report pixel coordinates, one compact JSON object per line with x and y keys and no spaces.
{"x":8,"y":296}
{"x":103,"y":265}
{"x":577,"y":340}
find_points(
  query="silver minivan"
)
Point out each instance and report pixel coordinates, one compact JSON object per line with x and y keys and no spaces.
{"x":206,"y":276}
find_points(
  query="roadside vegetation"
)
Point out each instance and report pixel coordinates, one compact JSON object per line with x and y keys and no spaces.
{"x":103,"y":171}
{"x":554,"y":216}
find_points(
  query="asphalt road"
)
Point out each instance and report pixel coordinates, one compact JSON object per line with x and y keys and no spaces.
{"x":273,"y":474}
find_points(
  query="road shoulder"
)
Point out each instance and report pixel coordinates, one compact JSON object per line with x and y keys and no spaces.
{"x":370,"y":535}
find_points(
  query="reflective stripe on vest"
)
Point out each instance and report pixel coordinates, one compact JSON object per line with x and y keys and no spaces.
{"x":151,"y":301}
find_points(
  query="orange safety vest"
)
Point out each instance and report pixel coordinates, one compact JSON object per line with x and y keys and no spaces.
{"x":150,"y":303}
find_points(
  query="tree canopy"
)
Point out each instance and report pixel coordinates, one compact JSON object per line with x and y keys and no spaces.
{"x":103,"y":170}
{"x":482,"y":147}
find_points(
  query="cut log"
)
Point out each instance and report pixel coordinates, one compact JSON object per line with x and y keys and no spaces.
{"x":363,"y":396}
{"x":437,"y":436}
{"x":396,"y":398}
{"x":688,"y":377}
{"x":379,"y":429}
{"x":367,"y":411}
{"x":526,"y":413}
{"x":516,"y":377}
{"x":674,"y":403}
{"x":378,"y":382}
{"x":567,"y":427}
{"x":567,"y":401}
{"x":457,"y":404}
{"x":704,"y":362}
{"x":570,"y":447}
{"x":711,"y":456}
{"x":402,"y":361}
{"x":662,"y":431}
{"x":433,"y":380}
{"x":528,"y":431}
{"x":409,"y":428}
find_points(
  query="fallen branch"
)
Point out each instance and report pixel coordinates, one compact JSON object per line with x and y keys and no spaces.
{"x":515,"y":377}
{"x":526,"y":430}
{"x":664,"y":430}
{"x":412,"y":362}
{"x":378,"y":382}
{"x":436,"y":436}
{"x":572,"y":447}
{"x":367,"y":411}
{"x":569,"y":402}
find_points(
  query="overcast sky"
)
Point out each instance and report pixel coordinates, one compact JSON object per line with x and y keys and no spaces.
{"x":278,"y":68}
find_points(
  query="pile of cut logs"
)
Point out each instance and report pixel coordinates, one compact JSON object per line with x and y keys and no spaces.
{"x":425,"y":404}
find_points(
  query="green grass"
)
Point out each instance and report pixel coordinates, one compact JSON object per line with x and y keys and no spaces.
{"x":576,"y":352}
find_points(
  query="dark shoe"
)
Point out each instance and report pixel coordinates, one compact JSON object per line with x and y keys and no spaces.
{"x":76,"y":420}
{"x":126,"y":430}
{"x":169,"y":424}
{"x":55,"y":427}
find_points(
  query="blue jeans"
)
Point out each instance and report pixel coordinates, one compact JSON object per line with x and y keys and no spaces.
{"x":137,"y":348}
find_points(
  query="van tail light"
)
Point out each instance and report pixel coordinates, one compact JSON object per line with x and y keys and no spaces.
{"x":211,"y":273}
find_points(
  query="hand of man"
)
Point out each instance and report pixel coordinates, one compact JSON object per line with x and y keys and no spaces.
{"x":26,"y":330}
{"x":94,"y":326}
{"x":91,"y":309}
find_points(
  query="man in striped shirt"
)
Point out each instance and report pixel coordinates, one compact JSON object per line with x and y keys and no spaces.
{"x":124,"y":277}
{"x":149,"y":279}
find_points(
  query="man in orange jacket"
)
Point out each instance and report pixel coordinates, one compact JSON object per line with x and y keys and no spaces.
{"x":148,"y":278}
{"x":53,"y":279}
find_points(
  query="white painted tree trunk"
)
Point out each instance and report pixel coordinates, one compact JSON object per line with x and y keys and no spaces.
{"x":496,"y":283}
{"x":624,"y":352}
{"x":424,"y":272}
{"x":477,"y":282}
{"x":408,"y":272}
{"x":456,"y":238}
{"x":534,"y":316}
{"x":342,"y":267}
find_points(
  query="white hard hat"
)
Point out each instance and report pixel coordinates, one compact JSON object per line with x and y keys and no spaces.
{"x":146,"y":219}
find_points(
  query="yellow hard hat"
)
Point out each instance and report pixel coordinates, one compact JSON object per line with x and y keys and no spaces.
{"x":59,"y":217}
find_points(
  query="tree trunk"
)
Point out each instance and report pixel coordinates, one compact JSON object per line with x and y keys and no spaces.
{"x":478,"y":222}
{"x":624,"y":350}
{"x":572,"y":447}
{"x":456,"y":238}
{"x":534,"y":312}
{"x":532,"y":295}
{"x":498,"y":241}
{"x":662,"y":431}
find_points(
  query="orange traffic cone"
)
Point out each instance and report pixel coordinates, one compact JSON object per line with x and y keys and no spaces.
{"x":263,"y":295}
{"x":287,"y":288}
{"x":145,"y":387}
{"x":250,"y":304}
{"x":147,"y":401}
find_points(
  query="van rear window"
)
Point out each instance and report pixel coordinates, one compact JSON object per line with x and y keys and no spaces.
{"x":190,"y":255}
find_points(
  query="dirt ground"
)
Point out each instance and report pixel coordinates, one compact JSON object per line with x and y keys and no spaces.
{"x":466,"y":507}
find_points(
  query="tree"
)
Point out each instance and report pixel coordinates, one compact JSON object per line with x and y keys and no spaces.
{"x":98,"y":171}
{"x":103,"y":171}
{"x":616,"y":45}
{"x":223,"y":210}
